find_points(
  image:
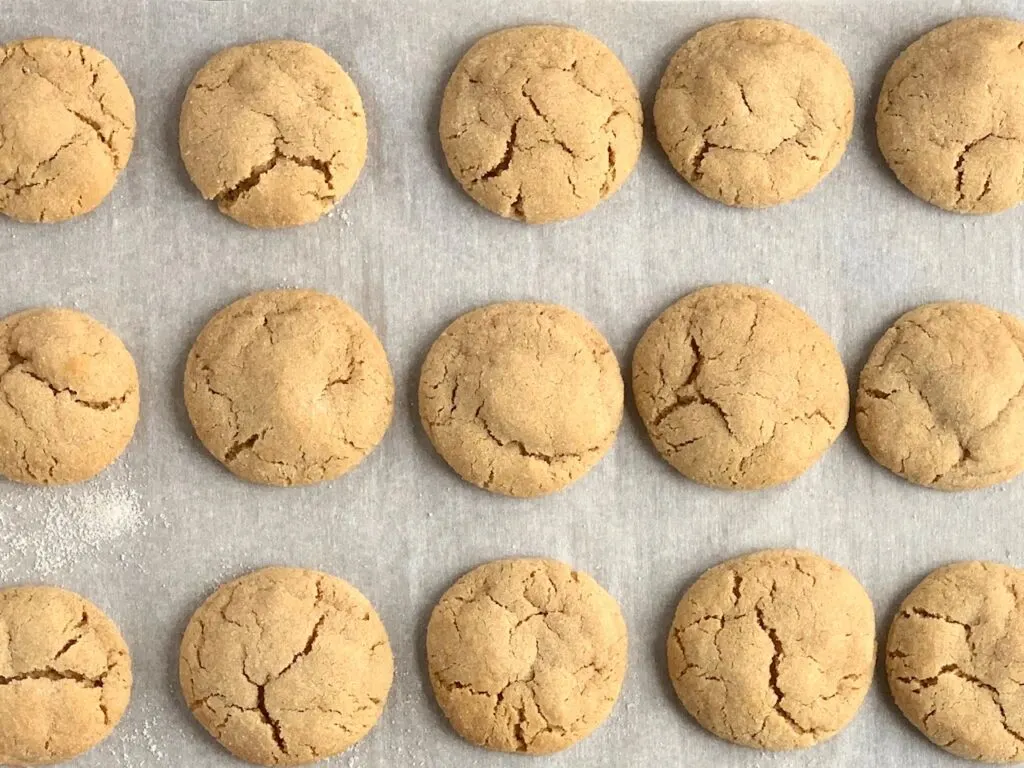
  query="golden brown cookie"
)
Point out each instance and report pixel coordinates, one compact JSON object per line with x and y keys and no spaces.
{"x":540,"y":123}
{"x":67,"y":120}
{"x":754,"y":112}
{"x":289,"y":387}
{"x":955,"y":660}
{"x":521,"y":398}
{"x":69,"y":397}
{"x":286,"y":666}
{"x":526,"y":655}
{"x":65,"y":675}
{"x":941,"y":398}
{"x":950,"y":117}
{"x":274,"y":132}
{"x":773,"y":650}
{"x":738,"y":388}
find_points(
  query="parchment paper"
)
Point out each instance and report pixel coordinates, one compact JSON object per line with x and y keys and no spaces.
{"x":411,"y":252}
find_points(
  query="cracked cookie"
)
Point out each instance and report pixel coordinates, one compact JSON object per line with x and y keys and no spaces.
{"x":949,"y":120}
{"x":526,"y":655}
{"x":941,"y":398}
{"x":67,"y":124}
{"x":521,"y":398}
{"x":274,"y":132}
{"x":540,"y":123}
{"x":65,"y":675}
{"x":738,"y":388}
{"x":774,"y":650}
{"x":289,"y":387}
{"x":953,"y":659}
{"x":286,"y":666}
{"x":69,"y":397}
{"x":754,"y":112}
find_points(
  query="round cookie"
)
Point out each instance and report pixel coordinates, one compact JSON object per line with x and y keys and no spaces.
{"x":286,"y":666}
{"x":954,"y":659}
{"x":526,"y":655}
{"x":289,"y":387}
{"x":774,"y":650}
{"x":540,"y":123}
{"x":65,"y":675}
{"x":274,"y":132}
{"x":754,"y":112}
{"x":68,"y":124}
{"x":738,"y":388}
{"x":69,"y":397}
{"x":521,"y":398}
{"x":941,"y":398}
{"x":950,"y":117}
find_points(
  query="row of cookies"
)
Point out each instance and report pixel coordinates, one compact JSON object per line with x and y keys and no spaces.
{"x":738,"y":389}
{"x":774,"y":650}
{"x":538,"y":123}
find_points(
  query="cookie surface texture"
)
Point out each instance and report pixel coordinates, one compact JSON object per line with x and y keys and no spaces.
{"x":540,"y":123}
{"x":526,"y":655}
{"x":274,"y":132}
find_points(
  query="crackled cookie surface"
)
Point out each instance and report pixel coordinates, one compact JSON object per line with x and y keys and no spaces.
{"x":738,"y":388}
{"x":950,"y":117}
{"x":521,"y":398}
{"x":289,"y":387}
{"x":941,"y":398}
{"x":955,"y":657}
{"x":69,"y":397}
{"x":540,"y":123}
{"x":286,"y":666}
{"x":67,"y":120}
{"x":754,"y":112}
{"x":65,"y":675}
{"x":773,"y":650}
{"x":274,"y":132}
{"x":526,"y":655}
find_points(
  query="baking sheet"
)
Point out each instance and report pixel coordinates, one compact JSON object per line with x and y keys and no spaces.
{"x":150,"y":538}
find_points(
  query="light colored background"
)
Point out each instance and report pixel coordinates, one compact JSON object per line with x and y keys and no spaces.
{"x":410,"y":251}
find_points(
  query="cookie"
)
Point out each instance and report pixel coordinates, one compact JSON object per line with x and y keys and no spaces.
{"x":774,"y":650}
{"x":521,"y":398}
{"x":286,"y":666}
{"x":941,"y":398}
{"x":949,"y":117}
{"x":526,"y":655}
{"x":65,"y":675}
{"x":68,"y":124}
{"x":540,"y":123}
{"x":754,"y":112}
{"x":289,"y":387}
{"x":738,"y":388}
{"x":954,"y":656}
{"x":69,"y":397}
{"x":274,"y":132}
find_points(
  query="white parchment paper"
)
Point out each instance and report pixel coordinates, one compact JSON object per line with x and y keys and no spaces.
{"x":411,"y":251}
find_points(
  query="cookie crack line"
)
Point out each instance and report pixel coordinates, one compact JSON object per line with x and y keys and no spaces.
{"x":19,"y":364}
{"x":773,"y":676}
{"x":55,"y":675}
{"x":518,"y":445}
{"x":232,"y":194}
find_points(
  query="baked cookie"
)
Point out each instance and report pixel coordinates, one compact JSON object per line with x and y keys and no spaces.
{"x":286,"y":666}
{"x":289,"y":387}
{"x":774,"y":650}
{"x":738,"y":388}
{"x":65,"y":675}
{"x":540,"y":123}
{"x":954,"y":660}
{"x":950,"y":117}
{"x":67,"y":120}
{"x":69,"y":397}
{"x":754,"y":112}
{"x":941,"y":398}
{"x":526,"y":655}
{"x":521,"y":398}
{"x":274,"y":132}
